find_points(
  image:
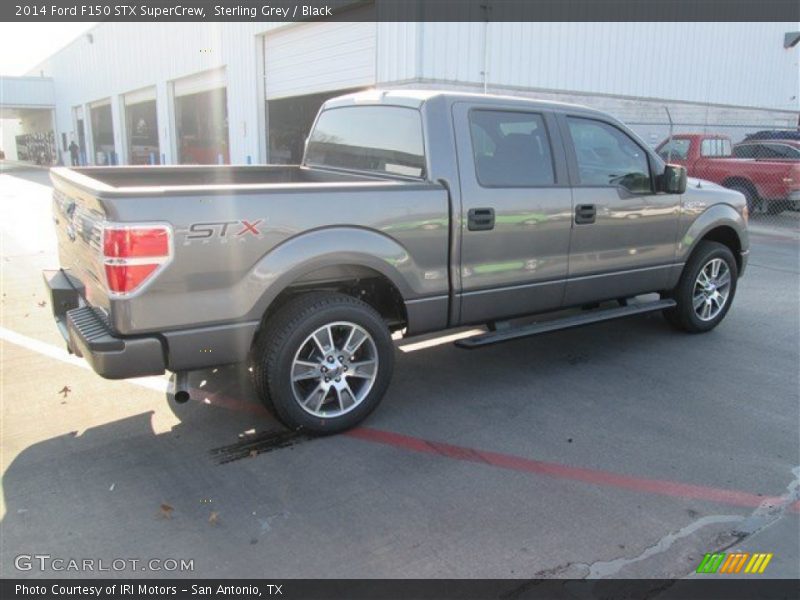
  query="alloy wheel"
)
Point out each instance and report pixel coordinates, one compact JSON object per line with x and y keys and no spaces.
{"x":334,"y":369}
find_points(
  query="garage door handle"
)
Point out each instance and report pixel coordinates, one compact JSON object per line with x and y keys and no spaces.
{"x":480,"y":219}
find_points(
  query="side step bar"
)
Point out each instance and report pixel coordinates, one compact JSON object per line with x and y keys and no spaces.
{"x":594,"y":316}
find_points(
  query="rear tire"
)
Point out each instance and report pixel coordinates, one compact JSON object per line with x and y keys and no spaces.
{"x":706,"y":289}
{"x":323,"y":362}
{"x":776,"y":207}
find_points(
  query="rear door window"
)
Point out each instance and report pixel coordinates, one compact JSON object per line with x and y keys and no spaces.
{"x":781,"y":151}
{"x":511,"y":149}
{"x":746,"y":151}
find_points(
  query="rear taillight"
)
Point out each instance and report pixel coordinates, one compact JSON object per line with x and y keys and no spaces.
{"x":132,"y":254}
{"x":794,"y":177}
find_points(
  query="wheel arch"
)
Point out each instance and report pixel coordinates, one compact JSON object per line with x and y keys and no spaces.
{"x":727,"y":236}
{"x":721,"y":223}
{"x":352,"y":279}
{"x":742,"y":181}
{"x":363,"y":263}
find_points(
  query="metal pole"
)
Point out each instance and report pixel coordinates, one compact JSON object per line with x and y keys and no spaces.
{"x":486,"y":8}
{"x":669,"y":143}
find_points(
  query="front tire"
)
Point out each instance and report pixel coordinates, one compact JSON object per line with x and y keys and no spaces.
{"x":705,"y":290}
{"x":323,"y":362}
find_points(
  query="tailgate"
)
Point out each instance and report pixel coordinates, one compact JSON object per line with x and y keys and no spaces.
{"x":78,"y":220}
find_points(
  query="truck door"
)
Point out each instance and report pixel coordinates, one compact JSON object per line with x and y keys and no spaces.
{"x":624,"y":233}
{"x":516,"y":211}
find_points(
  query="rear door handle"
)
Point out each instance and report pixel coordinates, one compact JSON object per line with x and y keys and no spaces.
{"x":480,"y":219}
{"x":585,"y":214}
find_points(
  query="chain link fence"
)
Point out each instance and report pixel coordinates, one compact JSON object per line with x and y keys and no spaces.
{"x":754,"y":152}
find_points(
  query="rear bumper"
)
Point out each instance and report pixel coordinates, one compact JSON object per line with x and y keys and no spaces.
{"x":86,"y":331}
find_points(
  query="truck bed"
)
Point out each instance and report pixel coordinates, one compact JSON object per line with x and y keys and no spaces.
{"x":174,"y":178}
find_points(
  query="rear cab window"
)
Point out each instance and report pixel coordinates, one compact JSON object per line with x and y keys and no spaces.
{"x":675,"y":149}
{"x":377,"y":139}
{"x":716,"y":147}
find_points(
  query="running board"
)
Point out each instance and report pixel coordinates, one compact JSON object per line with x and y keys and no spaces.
{"x":587,"y":318}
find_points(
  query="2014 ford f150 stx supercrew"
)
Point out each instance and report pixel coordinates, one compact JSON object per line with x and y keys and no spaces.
{"x":412,"y":211}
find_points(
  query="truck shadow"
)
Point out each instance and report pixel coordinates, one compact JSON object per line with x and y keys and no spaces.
{"x":123,"y":489}
{"x":437,"y":378}
{"x":96,"y":493}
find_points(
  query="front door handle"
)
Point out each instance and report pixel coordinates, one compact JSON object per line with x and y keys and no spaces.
{"x":585,"y":214}
{"x":480,"y":219}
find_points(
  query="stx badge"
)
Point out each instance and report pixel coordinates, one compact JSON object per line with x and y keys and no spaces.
{"x":223,"y":231}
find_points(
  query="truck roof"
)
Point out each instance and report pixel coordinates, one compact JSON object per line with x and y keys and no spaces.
{"x":415,"y":98}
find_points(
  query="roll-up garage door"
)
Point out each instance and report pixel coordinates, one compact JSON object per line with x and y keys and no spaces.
{"x":200,"y":82}
{"x":102,"y":132}
{"x":201,"y":118}
{"x":147,"y":94}
{"x":141,"y":125}
{"x":316,"y":57}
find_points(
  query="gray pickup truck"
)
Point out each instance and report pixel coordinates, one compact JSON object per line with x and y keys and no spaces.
{"x":413,"y":211}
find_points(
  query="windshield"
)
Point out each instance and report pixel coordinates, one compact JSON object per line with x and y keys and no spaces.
{"x":384,"y":139}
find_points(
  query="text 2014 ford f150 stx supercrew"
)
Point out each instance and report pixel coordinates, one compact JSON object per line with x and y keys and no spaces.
{"x":412,"y":211}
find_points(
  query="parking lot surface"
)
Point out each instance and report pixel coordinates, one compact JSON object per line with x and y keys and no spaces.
{"x":623,"y":449}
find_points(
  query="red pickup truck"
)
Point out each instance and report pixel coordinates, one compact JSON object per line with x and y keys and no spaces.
{"x":770,"y":186}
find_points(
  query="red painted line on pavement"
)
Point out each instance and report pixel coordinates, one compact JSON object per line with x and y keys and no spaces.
{"x":511,"y":462}
{"x":560,"y":471}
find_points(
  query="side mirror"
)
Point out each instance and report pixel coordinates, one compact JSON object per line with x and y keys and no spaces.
{"x":673,"y":181}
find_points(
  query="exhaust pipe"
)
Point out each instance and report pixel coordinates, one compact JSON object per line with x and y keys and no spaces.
{"x":181,"y":391}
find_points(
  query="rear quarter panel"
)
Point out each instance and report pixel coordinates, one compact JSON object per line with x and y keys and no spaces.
{"x":767,"y":177}
{"x":233,"y":273}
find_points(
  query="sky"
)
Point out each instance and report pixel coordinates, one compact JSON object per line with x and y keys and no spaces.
{"x":24,"y":45}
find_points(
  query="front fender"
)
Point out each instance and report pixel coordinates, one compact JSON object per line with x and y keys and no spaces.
{"x":717,"y":215}
{"x":337,"y":246}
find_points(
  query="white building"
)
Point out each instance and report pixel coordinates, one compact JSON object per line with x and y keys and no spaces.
{"x":247,"y":92}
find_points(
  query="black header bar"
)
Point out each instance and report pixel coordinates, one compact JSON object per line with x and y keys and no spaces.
{"x":399,"y":10}
{"x":398,"y":589}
